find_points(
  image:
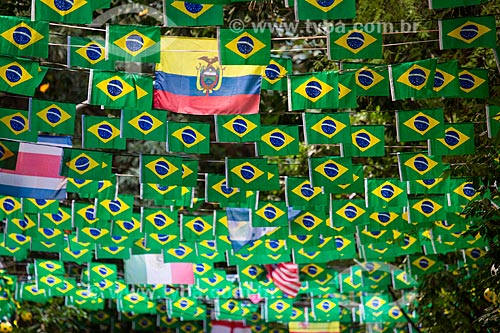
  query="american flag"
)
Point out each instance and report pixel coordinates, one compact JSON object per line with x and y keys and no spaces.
{"x":285,"y":277}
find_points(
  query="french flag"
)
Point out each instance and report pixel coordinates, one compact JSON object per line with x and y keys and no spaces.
{"x":37,"y":170}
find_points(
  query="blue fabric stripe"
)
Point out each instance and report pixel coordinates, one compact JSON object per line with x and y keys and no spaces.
{"x":29,"y":192}
{"x":186,"y":85}
{"x":60,"y":141}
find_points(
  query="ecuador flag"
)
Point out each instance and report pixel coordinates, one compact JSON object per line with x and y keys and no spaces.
{"x":190,"y":79}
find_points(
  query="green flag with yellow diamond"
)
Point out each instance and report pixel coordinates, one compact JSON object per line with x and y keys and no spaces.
{"x":412,"y":79}
{"x":102,"y":132}
{"x":313,"y":91}
{"x":458,"y":140}
{"x":462,"y":192}
{"x":278,"y":309}
{"x":245,"y":47}
{"x":348,"y":91}
{"x":88,"y":53}
{"x":324,"y":10}
{"x":274,"y":76}
{"x":160,"y":169}
{"x":237,"y":128}
{"x":246,"y":173}
{"x":299,"y":193}
{"x":8,"y":154}
{"x":326,"y":128}
{"x":21,"y":37}
{"x":381,"y":193}
{"x":429,"y":186}
{"x":446,"y":80}
{"x":419,"y":125}
{"x":86,"y":164}
{"x":270,"y":214}
{"x":474,"y":83}
{"x":358,"y":42}
{"x":144,"y":93}
{"x":330,"y":171}
{"x":427,"y":209}
{"x":115,"y":90}
{"x":14,"y":124}
{"x":54,"y":117}
{"x":216,"y":190}
{"x":493,"y":120}
{"x":145,"y":125}
{"x":76,"y":11}
{"x":133,"y":43}
{"x":197,"y":227}
{"x":467,"y":32}
{"x":192,"y":137}
{"x":371,"y":80}
{"x":188,"y":14}
{"x":366,"y":141}
{"x":278,"y":140}
{"x":349,"y":213}
{"x":19,"y":76}
{"x":414,"y":166}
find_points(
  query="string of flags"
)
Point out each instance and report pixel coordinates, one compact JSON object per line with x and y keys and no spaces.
{"x":281,"y":248}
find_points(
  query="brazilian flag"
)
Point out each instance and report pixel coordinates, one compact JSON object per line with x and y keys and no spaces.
{"x":20,"y":36}
{"x":76,"y":11}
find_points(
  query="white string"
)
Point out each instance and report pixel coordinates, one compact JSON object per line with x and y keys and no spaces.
{"x":76,"y":27}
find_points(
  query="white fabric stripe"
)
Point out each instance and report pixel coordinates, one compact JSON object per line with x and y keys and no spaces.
{"x":289,"y":291}
{"x":285,"y":278}
{"x":32,"y":181}
{"x":289,"y":266}
{"x":287,"y":275}
{"x":40,"y":149}
{"x":221,"y":329}
{"x":242,"y":330}
{"x":157,"y":271}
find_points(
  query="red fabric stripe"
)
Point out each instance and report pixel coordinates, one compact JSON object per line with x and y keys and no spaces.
{"x":285,"y":277}
{"x":40,"y":165}
{"x":201,"y":105}
{"x":182,"y":273}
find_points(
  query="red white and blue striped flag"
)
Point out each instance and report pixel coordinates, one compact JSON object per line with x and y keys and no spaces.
{"x":37,"y":170}
{"x":285,"y":277}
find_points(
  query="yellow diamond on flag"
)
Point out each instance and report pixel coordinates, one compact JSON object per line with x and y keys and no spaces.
{"x":134,"y":43}
{"x":14,"y":74}
{"x":29,"y":35}
{"x":313,"y":89}
{"x":468,"y":38}
{"x":64,"y":8}
{"x":415,"y":77}
{"x":324,"y":6}
{"x":245,"y":45}
{"x":104,"y":131}
{"x":115,"y":87}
